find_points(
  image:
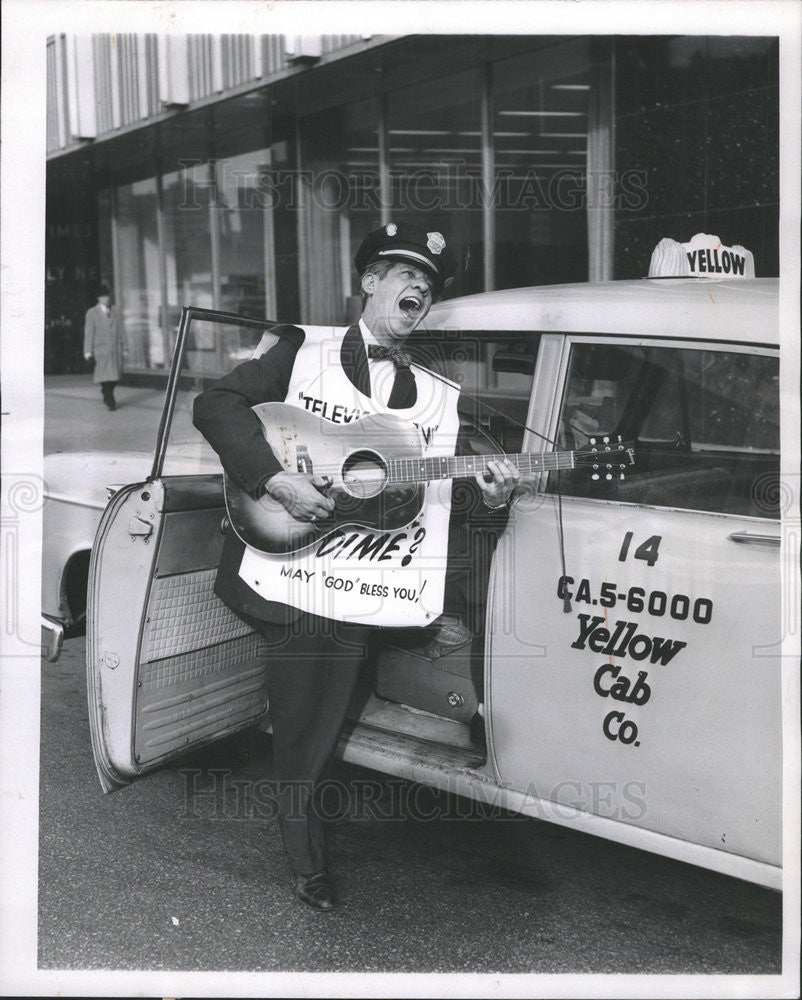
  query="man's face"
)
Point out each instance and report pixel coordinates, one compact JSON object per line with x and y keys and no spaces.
{"x":396,"y":303}
{"x":104,"y":300}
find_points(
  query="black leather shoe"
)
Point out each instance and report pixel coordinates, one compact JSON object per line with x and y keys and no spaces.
{"x":315,"y":890}
{"x":449,"y":634}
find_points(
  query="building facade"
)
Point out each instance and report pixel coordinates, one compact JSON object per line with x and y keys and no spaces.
{"x":241,"y":172}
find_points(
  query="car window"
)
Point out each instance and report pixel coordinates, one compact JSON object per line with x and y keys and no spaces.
{"x":704,"y":425}
{"x":212,"y":349}
{"x":494,"y":373}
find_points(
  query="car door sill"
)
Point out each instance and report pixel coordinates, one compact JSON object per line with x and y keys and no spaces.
{"x":412,"y":757}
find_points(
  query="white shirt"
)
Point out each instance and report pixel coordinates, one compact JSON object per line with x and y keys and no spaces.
{"x":382,"y":373}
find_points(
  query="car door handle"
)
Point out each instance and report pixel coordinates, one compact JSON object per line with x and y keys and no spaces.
{"x":753,"y":538}
{"x":138,"y":526}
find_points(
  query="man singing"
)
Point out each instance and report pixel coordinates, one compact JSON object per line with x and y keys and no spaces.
{"x":317,"y":644}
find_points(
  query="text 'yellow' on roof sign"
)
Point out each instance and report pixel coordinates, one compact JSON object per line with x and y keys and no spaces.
{"x":703,"y":256}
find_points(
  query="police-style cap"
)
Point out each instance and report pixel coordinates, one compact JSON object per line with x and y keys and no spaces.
{"x":400,"y":242}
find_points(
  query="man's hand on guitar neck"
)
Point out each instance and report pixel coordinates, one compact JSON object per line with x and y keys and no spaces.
{"x":498,"y":490}
{"x":301,"y":495}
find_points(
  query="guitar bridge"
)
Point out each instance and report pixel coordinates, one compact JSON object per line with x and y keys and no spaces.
{"x":303,"y":462}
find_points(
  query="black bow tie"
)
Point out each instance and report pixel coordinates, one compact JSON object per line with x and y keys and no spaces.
{"x":404,"y":392}
{"x":397,"y":355}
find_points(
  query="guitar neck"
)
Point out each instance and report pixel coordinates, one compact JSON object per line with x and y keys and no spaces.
{"x":424,"y":470}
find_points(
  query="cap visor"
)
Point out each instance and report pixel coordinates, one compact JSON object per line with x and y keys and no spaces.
{"x":415,"y":258}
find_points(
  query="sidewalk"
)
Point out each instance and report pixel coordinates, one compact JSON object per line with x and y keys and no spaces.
{"x":77,"y":420}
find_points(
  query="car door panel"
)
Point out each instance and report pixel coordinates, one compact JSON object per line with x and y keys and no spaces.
{"x":690,"y":741}
{"x":170,"y":667}
{"x":633,"y":624}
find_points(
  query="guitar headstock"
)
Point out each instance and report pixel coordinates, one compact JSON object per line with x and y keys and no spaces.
{"x":608,"y":456}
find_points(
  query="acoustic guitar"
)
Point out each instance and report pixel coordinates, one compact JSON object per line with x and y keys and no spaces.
{"x":376,"y":472}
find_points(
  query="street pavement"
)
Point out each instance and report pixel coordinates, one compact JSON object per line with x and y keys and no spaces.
{"x":161,"y":876}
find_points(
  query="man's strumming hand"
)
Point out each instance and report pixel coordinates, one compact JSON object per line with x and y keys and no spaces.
{"x":301,"y":495}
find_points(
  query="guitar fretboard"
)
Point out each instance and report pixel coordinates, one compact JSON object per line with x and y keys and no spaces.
{"x":424,"y":470}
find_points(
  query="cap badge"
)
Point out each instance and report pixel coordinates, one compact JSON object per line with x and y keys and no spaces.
{"x":435,"y":242}
{"x":391,"y":229}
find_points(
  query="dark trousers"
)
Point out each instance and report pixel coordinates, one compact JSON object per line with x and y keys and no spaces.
{"x":312,"y":671}
{"x":107,"y":388}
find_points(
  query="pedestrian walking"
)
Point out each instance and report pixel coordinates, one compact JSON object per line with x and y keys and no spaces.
{"x":103,"y":344}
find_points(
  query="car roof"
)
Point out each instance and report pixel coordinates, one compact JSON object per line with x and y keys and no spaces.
{"x":742,"y":310}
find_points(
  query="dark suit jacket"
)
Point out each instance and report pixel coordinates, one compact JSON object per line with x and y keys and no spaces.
{"x":222,"y":413}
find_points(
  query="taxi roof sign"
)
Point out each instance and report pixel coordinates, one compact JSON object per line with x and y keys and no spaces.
{"x":702,"y":257}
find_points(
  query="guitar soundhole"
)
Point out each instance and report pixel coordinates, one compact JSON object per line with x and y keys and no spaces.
{"x":364,"y":474}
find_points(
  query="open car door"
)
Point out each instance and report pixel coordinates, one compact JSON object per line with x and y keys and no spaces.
{"x":169,"y":666}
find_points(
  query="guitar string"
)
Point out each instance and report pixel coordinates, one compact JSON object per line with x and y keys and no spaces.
{"x":439,"y":467}
{"x":411,"y":469}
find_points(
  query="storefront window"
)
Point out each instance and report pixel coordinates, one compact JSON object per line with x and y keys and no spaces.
{"x":361,"y":168}
{"x":246,"y":246}
{"x":286,"y":307}
{"x":247,"y":264}
{"x":187,"y":238}
{"x":435,"y":159}
{"x":540,"y":134}
{"x":338,"y":193}
{"x":136,"y":270}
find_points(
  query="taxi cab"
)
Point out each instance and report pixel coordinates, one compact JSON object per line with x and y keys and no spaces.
{"x":628,"y":660}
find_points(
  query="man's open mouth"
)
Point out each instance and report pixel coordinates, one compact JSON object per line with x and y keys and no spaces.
{"x":410,"y":305}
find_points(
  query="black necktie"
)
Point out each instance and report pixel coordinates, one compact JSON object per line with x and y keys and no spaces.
{"x":404,"y":392}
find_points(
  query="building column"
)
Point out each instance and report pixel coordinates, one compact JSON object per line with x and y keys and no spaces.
{"x":269,"y":246}
{"x":488,"y":177}
{"x":160,"y":233}
{"x":214,"y":231}
{"x":385,"y":185}
{"x":601,"y":162}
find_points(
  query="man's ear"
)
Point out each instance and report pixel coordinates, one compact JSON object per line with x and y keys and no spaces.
{"x":369,"y":281}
